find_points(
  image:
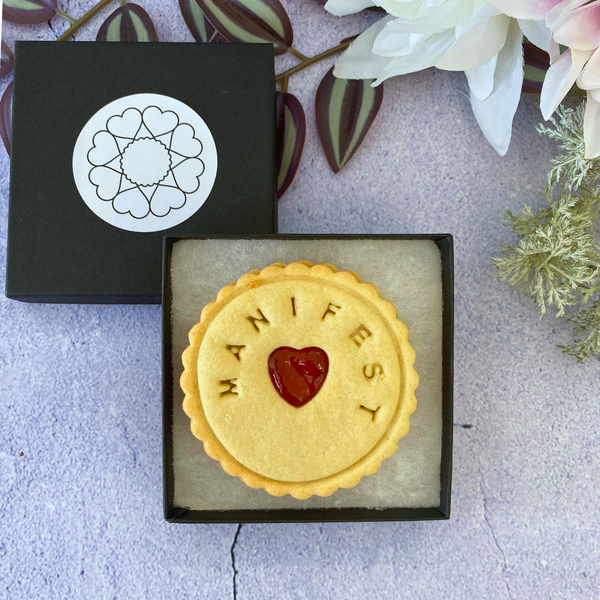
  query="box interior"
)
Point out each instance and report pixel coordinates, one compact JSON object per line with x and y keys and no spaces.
{"x":408,"y":273}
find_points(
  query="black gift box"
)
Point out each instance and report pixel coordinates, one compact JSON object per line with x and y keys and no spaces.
{"x":152,"y":126}
{"x":178,"y":514}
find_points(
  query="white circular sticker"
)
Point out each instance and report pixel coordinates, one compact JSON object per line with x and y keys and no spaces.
{"x":145,"y":162}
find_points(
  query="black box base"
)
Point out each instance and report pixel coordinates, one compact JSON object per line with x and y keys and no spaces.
{"x":175,"y":514}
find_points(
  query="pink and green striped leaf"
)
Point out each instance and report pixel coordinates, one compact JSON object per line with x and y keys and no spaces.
{"x":250,"y":21}
{"x":345,"y":110}
{"x":200,"y":27}
{"x":129,"y":23}
{"x":537,"y":62}
{"x":28,"y":12}
{"x":198,"y":24}
{"x":7,"y":60}
{"x":291,"y":132}
{"x":6,"y":116}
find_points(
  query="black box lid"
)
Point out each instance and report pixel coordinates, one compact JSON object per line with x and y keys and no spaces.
{"x":116,"y":145}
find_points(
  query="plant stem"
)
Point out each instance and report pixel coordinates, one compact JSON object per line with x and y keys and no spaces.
{"x":284,"y":85}
{"x":314,"y":59}
{"x":90,"y":14}
{"x":64,"y":15}
{"x":296,"y":53}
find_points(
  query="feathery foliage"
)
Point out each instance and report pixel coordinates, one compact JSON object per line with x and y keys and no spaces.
{"x":557,"y":259}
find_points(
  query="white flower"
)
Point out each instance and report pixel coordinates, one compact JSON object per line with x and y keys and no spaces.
{"x":456,"y":35}
{"x":145,"y":162}
{"x":576,"y":25}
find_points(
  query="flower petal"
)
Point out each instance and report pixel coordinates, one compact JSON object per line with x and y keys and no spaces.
{"x":591,"y":127}
{"x":554,"y":51}
{"x":341,"y":8}
{"x":359,"y":62}
{"x":589,"y":78}
{"x":525,"y":9}
{"x":595,"y":94}
{"x":537,"y":33}
{"x":409,"y":9}
{"x":477,"y":46}
{"x":435,"y":19}
{"x":391,"y":44}
{"x":561,"y":13}
{"x":495,"y":114}
{"x":424,"y":57}
{"x":560,"y":79}
{"x":481,"y":79}
{"x":581,"y":30}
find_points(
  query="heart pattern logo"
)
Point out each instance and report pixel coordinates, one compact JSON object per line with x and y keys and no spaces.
{"x":298,"y":375}
{"x":160,"y":122}
{"x":186,"y":142}
{"x":132,"y":201}
{"x":164,"y":199}
{"x":104,"y":149}
{"x":145,"y":162}
{"x":187,"y":174}
{"x":163,"y":175}
{"x":107,"y":182}
{"x":125,"y":125}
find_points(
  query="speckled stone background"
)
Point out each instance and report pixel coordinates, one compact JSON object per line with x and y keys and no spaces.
{"x":81,"y":509}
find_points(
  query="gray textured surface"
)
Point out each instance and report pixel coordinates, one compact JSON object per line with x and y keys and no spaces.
{"x":80,"y":511}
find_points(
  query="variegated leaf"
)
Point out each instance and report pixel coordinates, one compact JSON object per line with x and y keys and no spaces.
{"x":537,"y":62}
{"x":7,"y":60}
{"x":345,"y":110}
{"x":198,"y":24}
{"x":28,"y":11}
{"x":6,"y":116}
{"x":129,"y":23}
{"x":250,"y":21}
{"x":291,"y":132}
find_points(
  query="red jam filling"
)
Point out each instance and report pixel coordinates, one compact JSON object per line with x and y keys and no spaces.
{"x":298,"y":374}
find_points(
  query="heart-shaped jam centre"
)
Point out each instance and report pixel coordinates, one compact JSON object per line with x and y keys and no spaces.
{"x":298,"y":374}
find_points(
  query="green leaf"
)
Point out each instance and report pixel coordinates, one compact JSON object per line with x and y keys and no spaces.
{"x":28,"y":12}
{"x":345,"y":110}
{"x":6,"y":117}
{"x":129,"y":23}
{"x":536,"y":64}
{"x":7,"y":60}
{"x":198,"y":24}
{"x":250,"y":21}
{"x":291,"y":132}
